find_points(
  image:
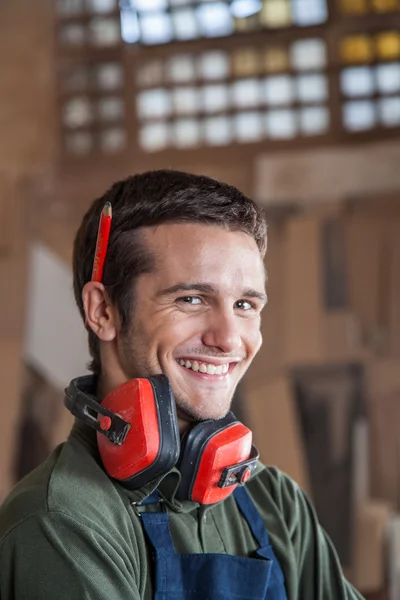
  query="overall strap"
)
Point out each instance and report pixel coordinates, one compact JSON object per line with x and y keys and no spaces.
{"x":156,"y":527}
{"x":252,"y":516}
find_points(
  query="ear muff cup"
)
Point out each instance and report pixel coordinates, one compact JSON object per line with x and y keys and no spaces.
{"x":152,"y":445}
{"x":207,"y":450}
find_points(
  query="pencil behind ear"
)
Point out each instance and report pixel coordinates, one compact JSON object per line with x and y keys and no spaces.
{"x":100,"y":252}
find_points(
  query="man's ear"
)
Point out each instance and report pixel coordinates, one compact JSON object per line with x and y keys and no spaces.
{"x":101,"y":317}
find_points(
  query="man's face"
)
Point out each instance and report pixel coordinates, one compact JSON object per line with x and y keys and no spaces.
{"x":196,"y":318}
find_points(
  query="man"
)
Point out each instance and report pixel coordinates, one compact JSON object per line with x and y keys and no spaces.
{"x":181,"y":295}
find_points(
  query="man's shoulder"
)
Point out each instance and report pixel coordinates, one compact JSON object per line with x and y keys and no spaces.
{"x":70,"y":482}
{"x":269,"y":482}
{"x":29,"y":496}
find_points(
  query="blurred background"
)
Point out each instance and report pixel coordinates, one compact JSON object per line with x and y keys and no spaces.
{"x":297,"y":103}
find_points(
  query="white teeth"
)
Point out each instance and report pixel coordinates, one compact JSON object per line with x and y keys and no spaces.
{"x":205,"y":367}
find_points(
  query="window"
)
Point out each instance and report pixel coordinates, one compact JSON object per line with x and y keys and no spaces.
{"x":162,"y":21}
{"x":255,"y":89}
{"x":93,"y":108}
{"x":246,"y":96}
{"x":370,"y":81}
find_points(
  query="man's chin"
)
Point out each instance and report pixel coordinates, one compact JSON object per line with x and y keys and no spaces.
{"x":191,"y":416}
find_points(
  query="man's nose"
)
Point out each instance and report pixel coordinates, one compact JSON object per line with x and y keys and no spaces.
{"x":223,"y":332}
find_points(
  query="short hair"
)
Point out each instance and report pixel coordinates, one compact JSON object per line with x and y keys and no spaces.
{"x":145,"y":200}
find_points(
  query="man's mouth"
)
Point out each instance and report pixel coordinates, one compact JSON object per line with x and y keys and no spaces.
{"x":206,"y":368}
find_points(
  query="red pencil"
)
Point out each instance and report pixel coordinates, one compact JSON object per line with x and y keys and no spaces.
{"x":102,"y":242}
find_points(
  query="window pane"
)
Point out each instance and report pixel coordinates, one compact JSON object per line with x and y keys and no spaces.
{"x":356,"y":49}
{"x":308,"y":54}
{"x":215,"y":19}
{"x":279,"y":90}
{"x":358,"y":116}
{"x":104,"y":32}
{"x":112,"y":140}
{"x":185,"y":100}
{"x":246,"y":23}
{"x":154,"y":103}
{"x":281,"y":124}
{"x":312,"y":88}
{"x":79,"y":143}
{"x":150,"y":73}
{"x":276,"y":59}
{"x":149,"y":5}
{"x":156,"y":28}
{"x":110,"y":109}
{"x":215,"y":98}
{"x":246,"y":93}
{"x":109,"y":76}
{"x":248,"y":126}
{"x":245,"y":8}
{"x":69,"y":7}
{"x":384,"y":5}
{"x":154,"y":136}
{"x":309,"y":12}
{"x":130,"y":29}
{"x":101,"y":6}
{"x":389,"y":111}
{"x":354,"y":6}
{"x":181,"y":68}
{"x":186,"y":133}
{"x":214,"y":65}
{"x":218,"y":131}
{"x":388,"y":78}
{"x":73,"y":35}
{"x":276,"y":13}
{"x":357,"y":81}
{"x":314,"y":120}
{"x":184,"y":23}
{"x":388,"y":45}
{"x":77,"y":112}
{"x":75,"y":79}
{"x":245,"y":62}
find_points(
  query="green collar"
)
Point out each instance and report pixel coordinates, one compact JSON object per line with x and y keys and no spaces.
{"x":167,"y":484}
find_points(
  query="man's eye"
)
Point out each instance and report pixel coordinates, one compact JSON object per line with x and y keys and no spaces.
{"x":190,"y":300}
{"x":244,"y":305}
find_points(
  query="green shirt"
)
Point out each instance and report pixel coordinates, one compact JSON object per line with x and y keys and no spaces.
{"x":68,"y":531}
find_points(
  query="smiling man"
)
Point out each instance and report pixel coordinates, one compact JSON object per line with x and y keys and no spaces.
{"x":179,"y":304}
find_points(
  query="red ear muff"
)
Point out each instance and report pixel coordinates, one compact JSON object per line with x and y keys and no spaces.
{"x":138,"y":439}
{"x":151,"y":447}
{"x":137,"y":427}
{"x":216,"y":456}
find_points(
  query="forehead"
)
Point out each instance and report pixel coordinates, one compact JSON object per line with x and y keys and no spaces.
{"x":193,"y":252}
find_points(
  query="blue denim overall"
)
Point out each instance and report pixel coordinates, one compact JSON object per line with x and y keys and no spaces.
{"x":214,"y":576}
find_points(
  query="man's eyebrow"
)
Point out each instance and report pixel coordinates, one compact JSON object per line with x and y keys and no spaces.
{"x":207,"y":288}
{"x":250,"y":293}
{"x":187,"y":287}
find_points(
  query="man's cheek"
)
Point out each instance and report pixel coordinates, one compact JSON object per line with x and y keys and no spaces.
{"x":256,"y":342}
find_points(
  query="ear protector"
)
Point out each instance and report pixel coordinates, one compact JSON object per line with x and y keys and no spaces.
{"x":138,"y":439}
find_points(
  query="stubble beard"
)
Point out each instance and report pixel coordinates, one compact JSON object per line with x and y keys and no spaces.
{"x":138,"y":364}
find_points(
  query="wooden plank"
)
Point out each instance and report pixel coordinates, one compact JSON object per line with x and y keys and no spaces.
{"x":273,"y":419}
{"x":303,"y":309}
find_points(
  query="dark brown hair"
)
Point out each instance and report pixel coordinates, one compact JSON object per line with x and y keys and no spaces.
{"x":144,"y":200}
